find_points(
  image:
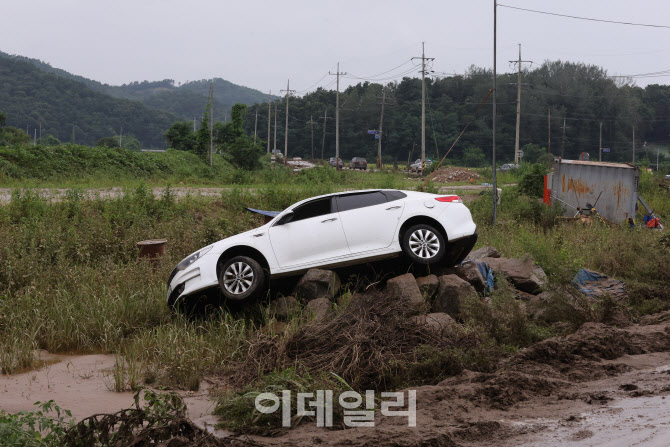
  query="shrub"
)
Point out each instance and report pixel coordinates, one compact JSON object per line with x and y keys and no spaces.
{"x":532,"y":179}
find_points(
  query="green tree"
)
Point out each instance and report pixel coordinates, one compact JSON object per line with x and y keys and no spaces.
{"x":532,"y":179}
{"x":474,"y":157}
{"x":181,"y":137}
{"x":237,"y":147}
{"x":532,"y":153}
{"x":50,"y":140}
{"x":11,"y":136}
{"x":108,"y":142}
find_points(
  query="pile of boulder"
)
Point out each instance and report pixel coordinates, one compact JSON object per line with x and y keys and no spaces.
{"x":435,"y":298}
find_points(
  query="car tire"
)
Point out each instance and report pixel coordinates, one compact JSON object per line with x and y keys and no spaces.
{"x":424,"y":244}
{"x":241,"y":278}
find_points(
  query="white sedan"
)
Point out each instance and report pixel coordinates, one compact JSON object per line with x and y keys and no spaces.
{"x":329,"y":231}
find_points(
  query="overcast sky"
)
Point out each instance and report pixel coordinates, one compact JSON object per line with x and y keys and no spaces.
{"x":260,"y":44}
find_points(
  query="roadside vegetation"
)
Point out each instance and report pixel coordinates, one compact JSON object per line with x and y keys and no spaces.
{"x":70,"y":281}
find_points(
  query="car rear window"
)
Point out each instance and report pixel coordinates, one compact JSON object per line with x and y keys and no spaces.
{"x":360,"y":200}
{"x":394,"y":195}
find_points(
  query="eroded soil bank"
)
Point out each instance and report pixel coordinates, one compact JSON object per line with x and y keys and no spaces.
{"x":601,"y":386}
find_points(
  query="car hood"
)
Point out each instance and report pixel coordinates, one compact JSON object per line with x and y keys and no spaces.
{"x":246,"y":238}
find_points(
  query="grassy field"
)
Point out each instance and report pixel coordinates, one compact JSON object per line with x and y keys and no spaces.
{"x":70,"y":281}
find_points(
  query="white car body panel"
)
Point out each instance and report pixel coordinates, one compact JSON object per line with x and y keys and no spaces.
{"x":371,"y":228}
{"x":308,"y":241}
{"x":338,"y":238}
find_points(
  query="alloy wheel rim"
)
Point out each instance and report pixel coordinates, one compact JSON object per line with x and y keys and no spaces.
{"x":238,"y":278}
{"x":424,"y":244}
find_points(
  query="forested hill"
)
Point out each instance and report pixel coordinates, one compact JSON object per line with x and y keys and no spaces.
{"x":581,"y":96}
{"x":184,"y":100}
{"x":30,"y":96}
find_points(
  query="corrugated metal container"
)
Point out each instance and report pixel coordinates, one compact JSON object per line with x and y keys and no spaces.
{"x":578,"y":183}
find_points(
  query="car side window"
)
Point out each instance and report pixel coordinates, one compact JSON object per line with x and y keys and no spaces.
{"x":361,"y":200}
{"x":394,"y":195}
{"x":311,"y":209}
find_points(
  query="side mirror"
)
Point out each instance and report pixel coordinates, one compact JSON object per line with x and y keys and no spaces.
{"x":286,"y":218}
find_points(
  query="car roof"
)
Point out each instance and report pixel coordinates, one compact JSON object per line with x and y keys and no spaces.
{"x":347,"y":192}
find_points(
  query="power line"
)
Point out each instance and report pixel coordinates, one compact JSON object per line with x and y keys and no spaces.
{"x":583,"y":18}
{"x":384,"y":72}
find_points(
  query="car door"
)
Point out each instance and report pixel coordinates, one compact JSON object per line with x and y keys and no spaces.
{"x":369,"y":219}
{"x":313,"y":235}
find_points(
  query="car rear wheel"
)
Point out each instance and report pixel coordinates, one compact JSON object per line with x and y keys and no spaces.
{"x":423,"y":244}
{"x":241,"y":278}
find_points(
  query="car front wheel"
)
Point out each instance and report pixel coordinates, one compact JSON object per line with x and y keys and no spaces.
{"x":241,"y":278}
{"x":423,"y":244}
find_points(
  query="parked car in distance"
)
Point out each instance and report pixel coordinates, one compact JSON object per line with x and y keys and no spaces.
{"x":359,"y":163}
{"x":416,"y":166}
{"x":508,"y":167}
{"x":277,"y":153}
{"x":328,"y":231}
{"x":331,"y":162}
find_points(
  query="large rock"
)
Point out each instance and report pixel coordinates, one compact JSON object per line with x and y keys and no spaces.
{"x":283,"y":308}
{"x":318,"y":283}
{"x":469,"y":271}
{"x":404,"y":287}
{"x":481,"y":253}
{"x":318,"y":309}
{"x":437,"y":322}
{"x":428,"y":285}
{"x":524,"y":274}
{"x":451,"y":292}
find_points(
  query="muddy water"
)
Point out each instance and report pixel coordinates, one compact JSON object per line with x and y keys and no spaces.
{"x":81,"y":384}
{"x":641,"y":421}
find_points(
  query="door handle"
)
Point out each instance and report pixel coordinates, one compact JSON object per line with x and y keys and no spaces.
{"x":393,"y":207}
{"x":329,"y":220}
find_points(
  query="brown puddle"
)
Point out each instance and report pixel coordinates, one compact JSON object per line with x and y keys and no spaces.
{"x":81,"y":384}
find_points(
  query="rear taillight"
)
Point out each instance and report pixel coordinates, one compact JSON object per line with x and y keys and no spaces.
{"x":452,"y":199}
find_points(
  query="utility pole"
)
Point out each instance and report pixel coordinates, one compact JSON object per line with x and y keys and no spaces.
{"x":633,"y":144}
{"x":323,"y":144}
{"x":311,"y":125}
{"x":423,"y":101}
{"x":35,"y":137}
{"x":518,"y":107}
{"x":494,"y":192}
{"x":194,"y":124}
{"x":288,"y":94}
{"x":255,"y":126}
{"x":40,"y":131}
{"x":381,"y":122}
{"x":121,"y":136}
{"x":211,"y":124}
{"x":563,"y":140}
{"x":600,"y":151}
{"x":337,"y":116}
{"x":275,"y":143}
{"x":549,"y":131}
{"x":269,"y":117}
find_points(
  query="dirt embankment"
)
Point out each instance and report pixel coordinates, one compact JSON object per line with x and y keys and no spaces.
{"x":573,"y":388}
{"x":454,"y":174}
{"x":599,"y":386}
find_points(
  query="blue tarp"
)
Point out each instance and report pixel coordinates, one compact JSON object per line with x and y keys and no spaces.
{"x":594,"y":284}
{"x":265,"y":213}
{"x":487,"y":273}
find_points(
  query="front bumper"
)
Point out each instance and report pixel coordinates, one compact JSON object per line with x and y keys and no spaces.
{"x":198,"y":276}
